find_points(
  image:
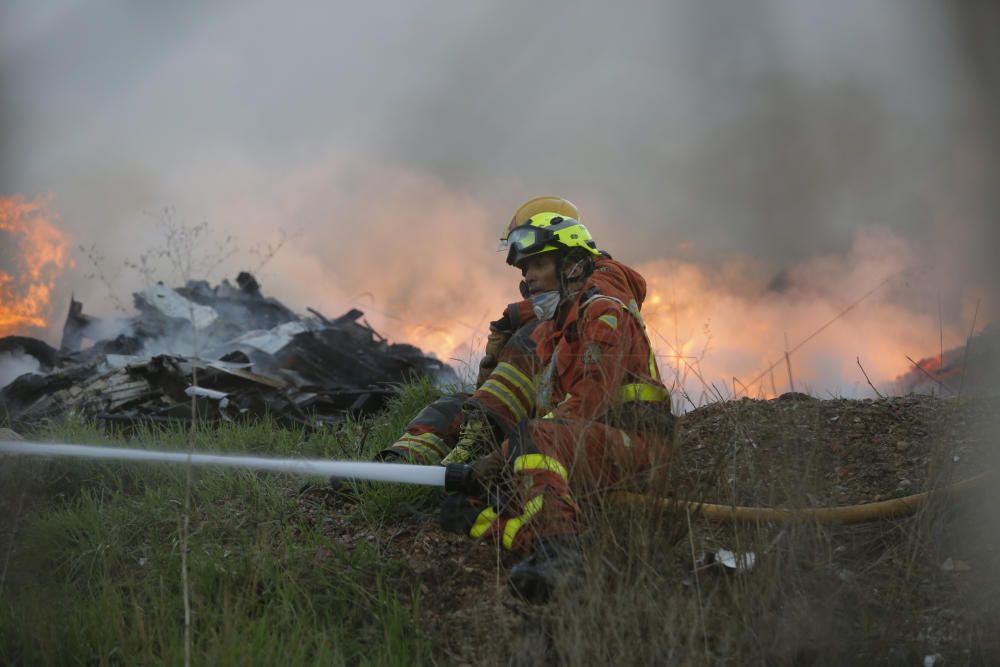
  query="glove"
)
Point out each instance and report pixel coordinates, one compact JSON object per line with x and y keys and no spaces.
{"x":477,"y":479}
{"x":487,"y":468}
{"x":494,"y":344}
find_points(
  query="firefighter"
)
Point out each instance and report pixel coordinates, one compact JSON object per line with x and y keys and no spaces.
{"x":522,"y":312}
{"x":588,"y":407}
{"x":433,"y":434}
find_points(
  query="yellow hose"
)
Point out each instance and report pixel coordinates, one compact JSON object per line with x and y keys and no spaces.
{"x":885,"y":509}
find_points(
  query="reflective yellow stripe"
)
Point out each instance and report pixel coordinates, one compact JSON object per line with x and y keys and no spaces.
{"x":540,"y":462}
{"x":425,"y":439}
{"x":551,"y":414}
{"x":510,"y":530}
{"x":641,"y":391}
{"x":419,"y":454}
{"x":505,"y":396}
{"x":610,"y":320}
{"x":427,"y":442}
{"x":518,"y":379}
{"x":633,"y":308}
{"x":429,"y":438}
{"x":483,"y":522}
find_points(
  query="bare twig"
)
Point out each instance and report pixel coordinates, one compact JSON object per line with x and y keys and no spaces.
{"x":788,"y":365}
{"x":97,"y":265}
{"x":877,"y":392}
{"x":941,"y":330}
{"x":965,"y":354}
{"x":266,"y":255}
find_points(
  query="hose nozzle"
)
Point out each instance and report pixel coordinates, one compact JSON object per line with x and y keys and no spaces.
{"x":461,"y":478}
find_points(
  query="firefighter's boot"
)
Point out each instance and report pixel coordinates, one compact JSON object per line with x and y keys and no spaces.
{"x":475,"y":439}
{"x":556,"y":564}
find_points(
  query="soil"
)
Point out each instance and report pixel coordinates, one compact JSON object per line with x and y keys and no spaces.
{"x":791,"y":451}
{"x":800,"y":451}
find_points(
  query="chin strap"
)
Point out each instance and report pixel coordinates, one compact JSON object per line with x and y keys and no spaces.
{"x":577,"y":273}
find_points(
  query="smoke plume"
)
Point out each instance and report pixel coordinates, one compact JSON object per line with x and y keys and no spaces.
{"x":766,"y":165}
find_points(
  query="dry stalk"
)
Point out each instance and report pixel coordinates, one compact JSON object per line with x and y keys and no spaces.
{"x":863,"y":372}
{"x":697,"y":588}
{"x":178,"y":258}
{"x":10,"y":547}
{"x":941,"y":330}
{"x":965,"y":354}
{"x":788,"y":365}
{"x":267,"y":254}
{"x":97,"y":271}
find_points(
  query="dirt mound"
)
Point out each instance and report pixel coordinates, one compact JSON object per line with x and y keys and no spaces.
{"x":791,"y":451}
{"x":800,"y":451}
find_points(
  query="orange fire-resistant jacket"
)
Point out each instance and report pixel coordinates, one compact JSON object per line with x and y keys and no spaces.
{"x":589,"y":359}
{"x":600,"y":353}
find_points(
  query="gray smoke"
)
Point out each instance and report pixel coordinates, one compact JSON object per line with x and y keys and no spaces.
{"x":15,"y":364}
{"x":394,"y":139}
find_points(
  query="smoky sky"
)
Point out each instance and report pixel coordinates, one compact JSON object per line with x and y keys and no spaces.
{"x":775,"y":130}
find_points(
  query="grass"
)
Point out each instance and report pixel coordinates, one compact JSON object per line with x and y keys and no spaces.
{"x":93,"y":567}
{"x":92,"y":572}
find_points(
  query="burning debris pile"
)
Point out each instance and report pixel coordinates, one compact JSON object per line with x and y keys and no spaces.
{"x":223,"y":352}
{"x":970,"y":369}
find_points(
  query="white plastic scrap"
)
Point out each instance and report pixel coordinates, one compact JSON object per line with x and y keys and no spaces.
{"x":932,"y":659}
{"x":173,"y":305}
{"x":271,"y":340}
{"x":730,"y":559}
{"x":220,"y":396}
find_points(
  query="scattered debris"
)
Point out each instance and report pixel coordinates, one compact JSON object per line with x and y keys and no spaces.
{"x":724,"y":560}
{"x":223,"y":353}
{"x":953,"y":565}
{"x":730,"y":560}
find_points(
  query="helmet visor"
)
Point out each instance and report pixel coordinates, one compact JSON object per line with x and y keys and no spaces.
{"x":526,"y":240}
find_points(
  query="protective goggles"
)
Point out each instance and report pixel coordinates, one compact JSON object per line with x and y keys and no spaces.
{"x":528,"y":240}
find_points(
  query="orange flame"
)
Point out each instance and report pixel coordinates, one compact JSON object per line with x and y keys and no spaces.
{"x":935,"y":368}
{"x":36,"y":252}
{"x":717,"y":335}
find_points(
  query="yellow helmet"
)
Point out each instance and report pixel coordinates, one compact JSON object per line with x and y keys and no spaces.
{"x":547,"y":232}
{"x":545,"y":204}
